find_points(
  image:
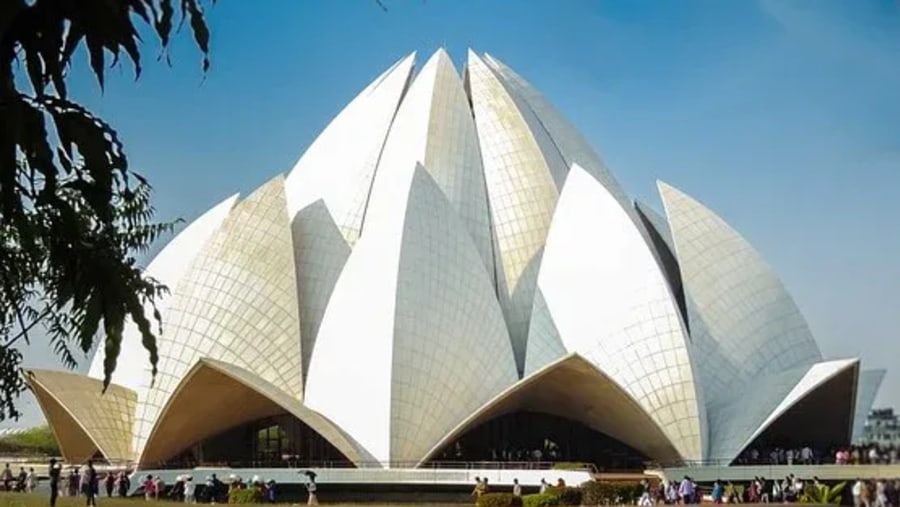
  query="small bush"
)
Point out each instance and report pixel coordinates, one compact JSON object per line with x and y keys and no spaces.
{"x":499,"y":500}
{"x":34,"y":441}
{"x":568,"y":495}
{"x":571,"y":465}
{"x":540,"y":500}
{"x":249,"y":495}
{"x":604,"y":493}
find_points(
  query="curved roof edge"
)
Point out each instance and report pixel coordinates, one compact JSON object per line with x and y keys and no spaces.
{"x":817,"y":375}
{"x":79,"y":412}
{"x":228,"y":378}
{"x":572,"y":387}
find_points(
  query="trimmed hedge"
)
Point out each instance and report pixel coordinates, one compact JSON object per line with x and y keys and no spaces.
{"x":606,"y":493}
{"x":571,"y":465}
{"x":499,"y":500}
{"x":249,"y":495}
{"x":554,"y":496}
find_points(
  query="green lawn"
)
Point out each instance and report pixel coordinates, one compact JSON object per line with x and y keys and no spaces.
{"x":40,"y":500}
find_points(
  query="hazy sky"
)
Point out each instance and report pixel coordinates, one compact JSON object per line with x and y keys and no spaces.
{"x":784,"y":117}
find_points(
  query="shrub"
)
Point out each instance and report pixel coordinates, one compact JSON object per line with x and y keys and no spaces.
{"x":36,"y":441}
{"x":568,"y":495}
{"x":554,"y":496}
{"x":499,"y":500}
{"x":571,"y":465}
{"x":823,"y":494}
{"x":540,"y":500}
{"x":249,"y":495}
{"x":605,"y":493}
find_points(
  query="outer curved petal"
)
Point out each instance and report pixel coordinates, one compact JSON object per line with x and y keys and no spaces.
{"x":84,"y":418}
{"x":195,"y":411}
{"x":574,"y":388}
{"x":328,"y":190}
{"x":339,"y":165}
{"x":523,"y":177}
{"x":237,"y":303}
{"x":611,"y":302}
{"x":748,"y":417}
{"x":745,"y":310}
{"x":435,"y":344}
{"x":566,"y":139}
{"x":168,"y":267}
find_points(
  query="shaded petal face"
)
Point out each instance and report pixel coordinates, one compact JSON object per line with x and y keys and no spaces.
{"x":85,"y":420}
{"x":211,"y":384}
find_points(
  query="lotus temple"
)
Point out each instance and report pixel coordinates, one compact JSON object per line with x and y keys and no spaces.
{"x":450,"y":273}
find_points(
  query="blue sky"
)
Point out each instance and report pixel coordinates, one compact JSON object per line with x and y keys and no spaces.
{"x":784,"y":117}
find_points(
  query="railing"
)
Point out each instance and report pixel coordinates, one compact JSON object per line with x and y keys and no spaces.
{"x":757,"y":463}
{"x":326,"y":464}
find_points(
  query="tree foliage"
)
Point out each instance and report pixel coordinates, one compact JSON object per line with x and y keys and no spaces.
{"x":73,"y":214}
{"x":33,"y":441}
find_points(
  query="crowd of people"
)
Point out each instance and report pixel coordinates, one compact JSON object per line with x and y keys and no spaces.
{"x":212,"y":490}
{"x":23,"y":481}
{"x":481,"y":487}
{"x":807,"y":455}
{"x":84,"y":481}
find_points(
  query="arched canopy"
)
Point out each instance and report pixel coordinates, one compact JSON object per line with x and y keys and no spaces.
{"x":83,"y":418}
{"x":574,"y":389}
{"x":216,"y":396}
{"x":818,"y":411}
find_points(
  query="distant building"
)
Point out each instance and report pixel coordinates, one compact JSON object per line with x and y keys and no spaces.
{"x":882,"y":428}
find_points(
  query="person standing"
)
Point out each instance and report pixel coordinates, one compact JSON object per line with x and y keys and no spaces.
{"x":124,"y":483}
{"x":149,"y":485}
{"x":271,"y":493}
{"x":30,"y":481}
{"x":7,"y":478}
{"x":110,"y":482}
{"x":311,"y":490}
{"x":717,"y":492}
{"x":189,"y":490}
{"x":91,"y":485}
{"x":72,"y":483}
{"x":53,"y":472}
{"x":517,"y":488}
{"x":479,"y":489}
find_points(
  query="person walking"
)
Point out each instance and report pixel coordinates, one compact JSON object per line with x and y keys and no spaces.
{"x":124,"y":484}
{"x":479,"y":489}
{"x":189,"y":490}
{"x":717,"y":492}
{"x":91,"y":486}
{"x":149,"y":485}
{"x":110,"y":482}
{"x":311,"y":489}
{"x":53,"y":472}
{"x":7,"y":478}
{"x":30,"y":481}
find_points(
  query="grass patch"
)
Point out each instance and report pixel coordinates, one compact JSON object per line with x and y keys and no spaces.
{"x":43,"y":500}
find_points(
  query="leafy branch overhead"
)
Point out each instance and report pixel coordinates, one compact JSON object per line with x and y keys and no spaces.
{"x":72,"y":212}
